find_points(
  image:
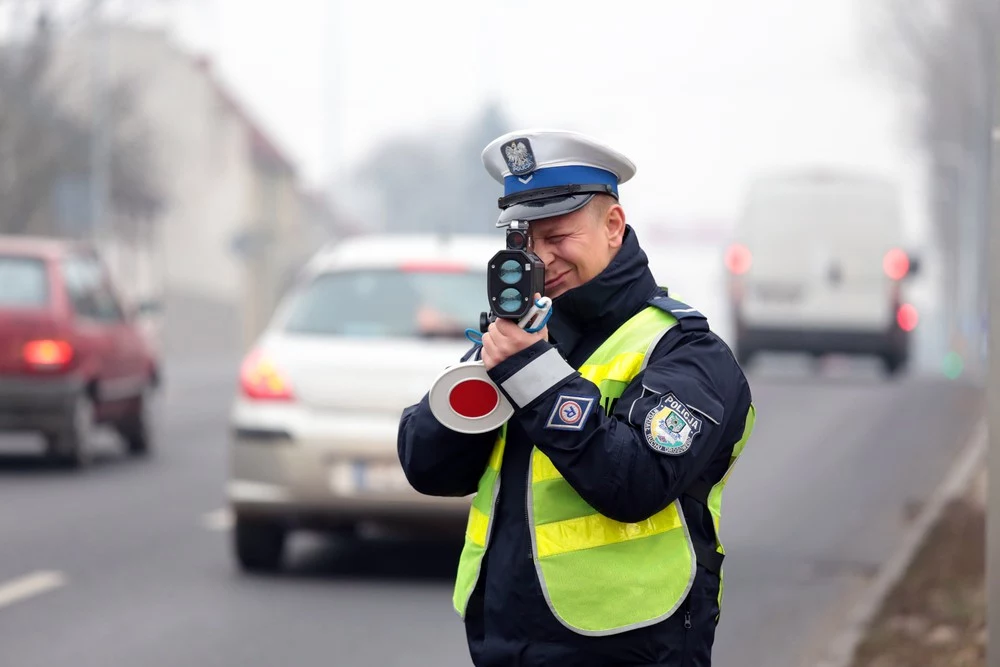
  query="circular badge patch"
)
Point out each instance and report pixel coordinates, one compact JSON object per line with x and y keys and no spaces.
{"x":570,"y":412}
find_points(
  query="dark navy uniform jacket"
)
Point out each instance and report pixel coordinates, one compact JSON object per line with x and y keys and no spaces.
{"x":609,"y":463}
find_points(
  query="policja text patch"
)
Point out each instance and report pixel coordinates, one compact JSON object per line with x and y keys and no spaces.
{"x":670,"y":427}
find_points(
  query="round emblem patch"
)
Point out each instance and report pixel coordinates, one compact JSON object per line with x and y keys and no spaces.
{"x":570,"y":412}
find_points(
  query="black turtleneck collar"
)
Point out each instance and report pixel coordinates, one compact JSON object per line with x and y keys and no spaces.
{"x":583,"y":317}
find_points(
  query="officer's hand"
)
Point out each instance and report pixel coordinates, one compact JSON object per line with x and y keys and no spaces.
{"x":504,"y":339}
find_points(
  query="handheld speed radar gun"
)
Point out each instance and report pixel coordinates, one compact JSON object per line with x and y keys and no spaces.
{"x":463,"y":397}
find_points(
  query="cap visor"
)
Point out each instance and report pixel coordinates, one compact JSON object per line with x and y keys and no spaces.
{"x":543,"y":208}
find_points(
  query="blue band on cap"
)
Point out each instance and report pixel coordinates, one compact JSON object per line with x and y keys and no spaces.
{"x":553,"y":176}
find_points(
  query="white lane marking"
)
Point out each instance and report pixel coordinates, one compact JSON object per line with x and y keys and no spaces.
{"x":220,"y":519}
{"x":30,"y":585}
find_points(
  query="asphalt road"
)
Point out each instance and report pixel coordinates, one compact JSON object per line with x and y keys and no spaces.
{"x":128,"y":564}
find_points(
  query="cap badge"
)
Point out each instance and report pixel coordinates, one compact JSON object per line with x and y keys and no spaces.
{"x":520,"y":160}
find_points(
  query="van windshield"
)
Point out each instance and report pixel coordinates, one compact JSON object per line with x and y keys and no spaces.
{"x":23,"y":282}
{"x":381,"y":303}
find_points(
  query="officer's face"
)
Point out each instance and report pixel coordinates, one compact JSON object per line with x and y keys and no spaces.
{"x":578,"y":246}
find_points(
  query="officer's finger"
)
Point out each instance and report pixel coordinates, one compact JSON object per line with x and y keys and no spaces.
{"x":503,"y":332}
{"x":489,"y":353}
{"x":501,"y":341}
{"x":507,"y":327}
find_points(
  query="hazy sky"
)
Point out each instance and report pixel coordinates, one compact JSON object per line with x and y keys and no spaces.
{"x":698,"y":93}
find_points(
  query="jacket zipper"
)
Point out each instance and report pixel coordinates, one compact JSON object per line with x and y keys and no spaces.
{"x":687,"y":630}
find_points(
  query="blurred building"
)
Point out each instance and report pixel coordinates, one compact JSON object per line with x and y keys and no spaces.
{"x":319,"y":224}
{"x":232,"y":225}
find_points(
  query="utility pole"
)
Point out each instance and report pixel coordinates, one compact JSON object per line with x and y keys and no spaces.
{"x":970,"y":184}
{"x":99,"y":139}
{"x":334,"y":98}
{"x":993,"y":386}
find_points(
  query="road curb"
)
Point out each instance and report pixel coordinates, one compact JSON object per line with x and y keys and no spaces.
{"x":840,"y":651}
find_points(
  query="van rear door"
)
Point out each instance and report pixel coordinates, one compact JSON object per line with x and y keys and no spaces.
{"x":817,"y":253}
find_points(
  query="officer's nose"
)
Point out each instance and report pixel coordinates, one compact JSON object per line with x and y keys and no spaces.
{"x":543,"y":251}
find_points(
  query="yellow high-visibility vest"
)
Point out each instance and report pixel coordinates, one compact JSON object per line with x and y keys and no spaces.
{"x":599,"y":576}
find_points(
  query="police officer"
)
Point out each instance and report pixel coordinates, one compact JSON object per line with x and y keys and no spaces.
{"x":593,"y":537}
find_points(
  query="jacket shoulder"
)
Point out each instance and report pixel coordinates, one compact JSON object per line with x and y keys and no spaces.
{"x":693,"y":343}
{"x":688,"y":318}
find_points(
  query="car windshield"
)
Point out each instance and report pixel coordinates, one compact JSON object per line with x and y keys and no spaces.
{"x":389,"y":303}
{"x":23,"y":282}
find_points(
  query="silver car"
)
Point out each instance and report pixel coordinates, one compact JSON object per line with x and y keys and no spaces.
{"x":365,"y":331}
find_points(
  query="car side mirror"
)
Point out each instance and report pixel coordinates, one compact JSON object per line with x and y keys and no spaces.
{"x":143,"y":308}
{"x":149,"y":307}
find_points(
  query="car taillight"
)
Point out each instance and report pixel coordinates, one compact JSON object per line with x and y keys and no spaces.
{"x":738,"y":259}
{"x":432,"y":267}
{"x":261,"y":380}
{"x":907,"y":317}
{"x":896,"y":264}
{"x":47,"y":354}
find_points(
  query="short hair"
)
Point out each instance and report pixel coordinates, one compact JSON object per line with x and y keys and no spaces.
{"x":600,"y":204}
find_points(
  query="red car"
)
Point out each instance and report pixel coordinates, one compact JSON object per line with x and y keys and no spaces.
{"x":70,"y":356}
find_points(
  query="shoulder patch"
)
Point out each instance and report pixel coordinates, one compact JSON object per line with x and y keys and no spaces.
{"x":671,"y":427}
{"x":570,"y":413}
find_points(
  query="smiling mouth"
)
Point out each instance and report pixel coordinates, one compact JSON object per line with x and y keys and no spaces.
{"x":556,"y":280}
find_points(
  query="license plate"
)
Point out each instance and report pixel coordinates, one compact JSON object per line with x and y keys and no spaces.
{"x":778,"y":292}
{"x":363,"y":477}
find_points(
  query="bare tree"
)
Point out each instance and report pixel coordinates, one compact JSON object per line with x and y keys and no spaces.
{"x":438,"y":183}
{"x":941,"y":53}
{"x":45,"y":171}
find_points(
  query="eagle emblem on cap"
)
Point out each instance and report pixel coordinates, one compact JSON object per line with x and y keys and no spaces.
{"x":520,"y":160}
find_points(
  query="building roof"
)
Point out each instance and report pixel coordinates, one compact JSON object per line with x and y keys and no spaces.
{"x":48,"y":247}
{"x":264,"y":146}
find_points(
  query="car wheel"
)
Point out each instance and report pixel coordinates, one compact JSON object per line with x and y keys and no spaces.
{"x":259,"y":544}
{"x":138,"y":430}
{"x":72,"y":445}
{"x":893,"y":364}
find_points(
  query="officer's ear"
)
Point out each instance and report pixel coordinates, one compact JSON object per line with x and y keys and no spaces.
{"x":614,"y":225}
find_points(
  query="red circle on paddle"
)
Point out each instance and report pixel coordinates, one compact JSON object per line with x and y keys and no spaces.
{"x":473,"y":398}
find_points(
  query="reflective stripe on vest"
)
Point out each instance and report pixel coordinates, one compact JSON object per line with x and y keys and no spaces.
{"x":477,"y":531}
{"x":715,"y":495}
{"x":599,"y":576}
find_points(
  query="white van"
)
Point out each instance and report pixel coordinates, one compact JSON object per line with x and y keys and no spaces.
{"x":817,"y":266}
